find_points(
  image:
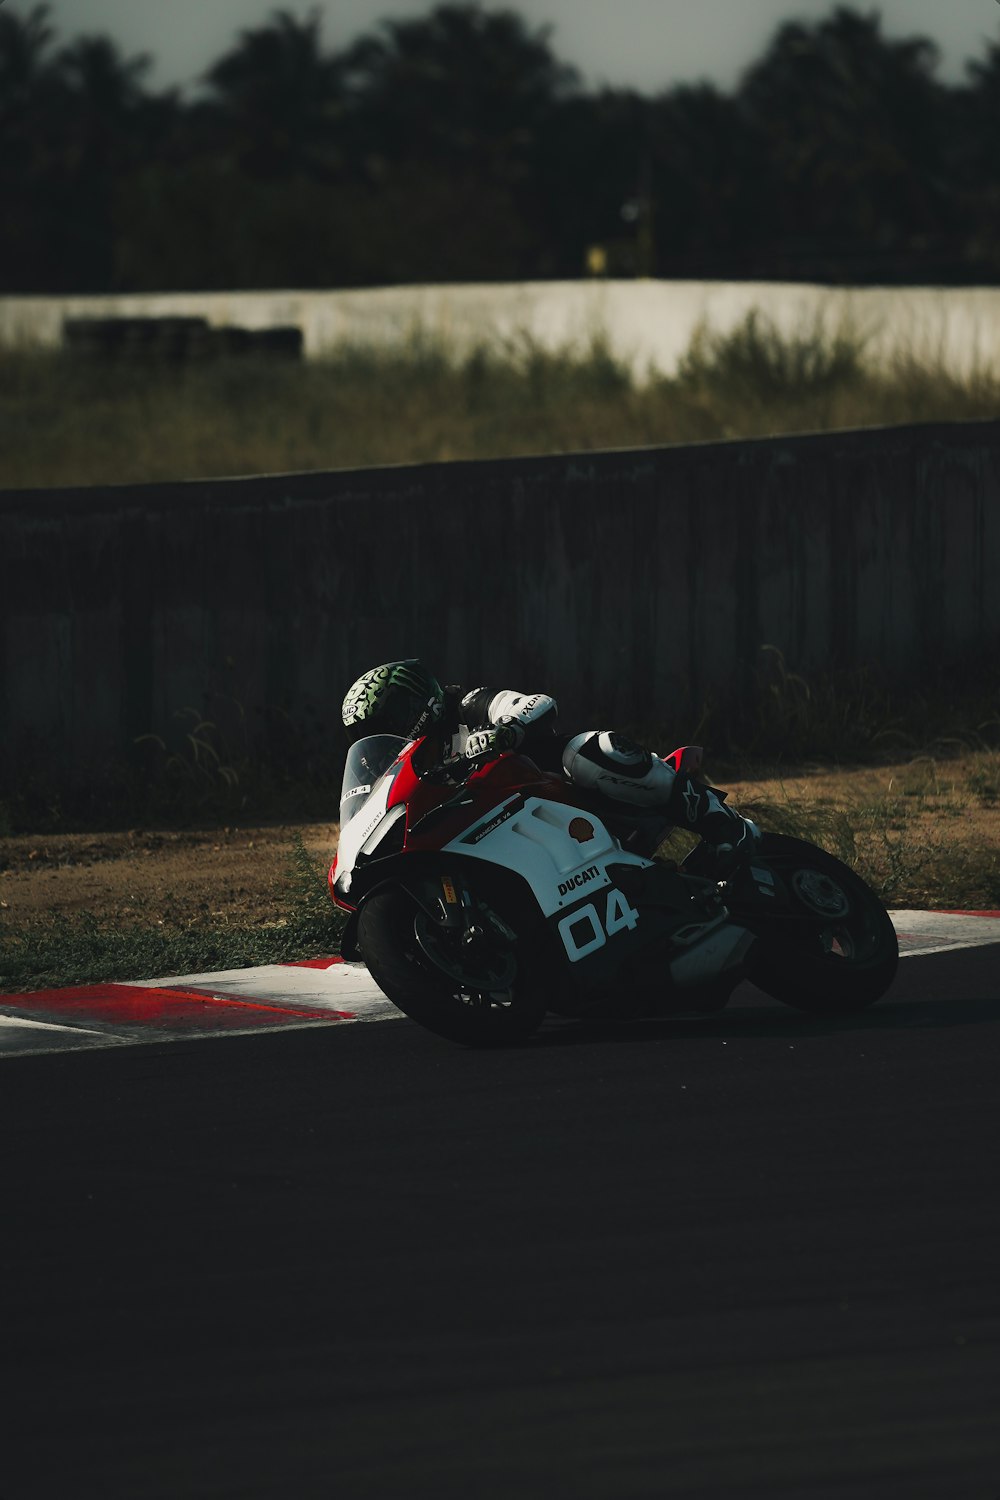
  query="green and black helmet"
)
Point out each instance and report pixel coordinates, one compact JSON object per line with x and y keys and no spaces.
{"x":400,"y":697}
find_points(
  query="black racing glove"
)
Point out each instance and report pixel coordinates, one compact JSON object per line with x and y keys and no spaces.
{"x":730,"y":856}
{"x":484,"y":744}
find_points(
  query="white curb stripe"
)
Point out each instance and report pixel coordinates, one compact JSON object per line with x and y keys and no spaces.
{"x":48,"y":1026}
{"x":21,"y":1037}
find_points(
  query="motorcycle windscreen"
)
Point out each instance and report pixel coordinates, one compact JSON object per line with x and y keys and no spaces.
{"x":367,"y":760}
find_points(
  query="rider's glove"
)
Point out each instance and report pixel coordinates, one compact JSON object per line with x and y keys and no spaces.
{"x":483,"y":744}
{"x":729,"y":856}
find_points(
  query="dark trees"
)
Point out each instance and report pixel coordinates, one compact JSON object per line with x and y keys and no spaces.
{"x":458,"y":146}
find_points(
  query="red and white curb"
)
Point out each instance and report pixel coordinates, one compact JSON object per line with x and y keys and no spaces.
{"x":316,"y":992}
{"x":230,"y":1002}
{"x":923,"y":932}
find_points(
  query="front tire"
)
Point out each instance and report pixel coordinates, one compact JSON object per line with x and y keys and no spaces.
{"x":390,"y":948}
{"x":842,"y":955}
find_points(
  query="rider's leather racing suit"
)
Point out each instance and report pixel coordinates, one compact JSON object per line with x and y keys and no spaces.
{"x":483,"y":720}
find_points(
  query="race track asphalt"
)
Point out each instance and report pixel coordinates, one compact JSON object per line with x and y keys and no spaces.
{"x":756,"y":1255}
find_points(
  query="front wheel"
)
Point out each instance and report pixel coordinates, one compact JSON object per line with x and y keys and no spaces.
{"x":834,"y":949}
{"x":465,"y":1012}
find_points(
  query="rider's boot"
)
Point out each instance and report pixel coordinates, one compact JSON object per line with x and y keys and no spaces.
{"x":623,"y":771}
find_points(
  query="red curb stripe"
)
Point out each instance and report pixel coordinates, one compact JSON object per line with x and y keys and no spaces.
{"x":161,"y":1009}
{"x":961,"y":912}
{"x":310,"y":1012}
{"x":313,"y":963}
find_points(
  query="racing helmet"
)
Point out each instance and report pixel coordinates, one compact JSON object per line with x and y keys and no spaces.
{"x":399,"y":697}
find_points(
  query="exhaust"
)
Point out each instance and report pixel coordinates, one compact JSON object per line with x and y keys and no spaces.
{"x":724,"y":948}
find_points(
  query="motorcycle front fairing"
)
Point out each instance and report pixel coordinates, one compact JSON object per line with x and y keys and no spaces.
{"x":396,"y":797}
{"x":373,"y":766}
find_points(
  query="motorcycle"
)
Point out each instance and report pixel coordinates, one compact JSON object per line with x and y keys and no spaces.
{"x":483,"y":897}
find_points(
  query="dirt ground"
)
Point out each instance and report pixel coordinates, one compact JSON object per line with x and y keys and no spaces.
{"x":241,"y":875}
{"x":237,"y":875}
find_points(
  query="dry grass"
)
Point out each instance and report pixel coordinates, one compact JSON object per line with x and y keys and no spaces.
{"x":64,"y":422}
{"x":924,"y":832}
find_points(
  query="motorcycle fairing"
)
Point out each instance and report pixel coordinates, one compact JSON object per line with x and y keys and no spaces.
{"x":560,"y":867}
{"x":594,"y":895}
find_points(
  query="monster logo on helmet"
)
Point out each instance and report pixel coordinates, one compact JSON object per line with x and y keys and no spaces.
{"x":399,"y":697}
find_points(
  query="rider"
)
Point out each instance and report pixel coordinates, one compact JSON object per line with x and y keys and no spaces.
{"x":405,"y":699}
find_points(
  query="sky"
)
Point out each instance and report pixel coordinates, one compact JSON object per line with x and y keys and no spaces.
{"x":644,"y":44}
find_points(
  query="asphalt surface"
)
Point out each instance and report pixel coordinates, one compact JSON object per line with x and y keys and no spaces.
{"x":756,"y":1255}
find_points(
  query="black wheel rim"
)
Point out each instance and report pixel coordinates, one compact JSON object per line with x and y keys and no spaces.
{"x":483,"y":981}
{"x":845,"y":931}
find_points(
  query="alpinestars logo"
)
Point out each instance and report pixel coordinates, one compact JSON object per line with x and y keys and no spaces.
{"x":692,"y":802}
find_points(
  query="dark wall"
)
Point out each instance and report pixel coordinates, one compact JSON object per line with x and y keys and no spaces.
{"x":615,"y":580}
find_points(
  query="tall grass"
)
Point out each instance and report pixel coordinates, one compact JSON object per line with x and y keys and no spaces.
{"x":263,"y":765}
{"x":857,"y":716}
{"x":66,"y":422}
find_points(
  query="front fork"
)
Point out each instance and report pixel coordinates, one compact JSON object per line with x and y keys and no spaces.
{"x":448,"y":901}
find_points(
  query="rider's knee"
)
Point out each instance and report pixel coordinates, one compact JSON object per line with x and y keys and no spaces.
{"x":610,"y":763}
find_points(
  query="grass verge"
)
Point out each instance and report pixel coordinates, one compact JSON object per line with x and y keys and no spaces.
{"x":64,"y":421}
{"x":85,"y":949}
{"x":924,"y":834}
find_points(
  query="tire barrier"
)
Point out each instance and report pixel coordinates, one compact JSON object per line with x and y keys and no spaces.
{"x":175,"y":341}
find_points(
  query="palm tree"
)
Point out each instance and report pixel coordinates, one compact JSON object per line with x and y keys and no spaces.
{"x":850,"y":123}
{"x":25,"y":60}
{"x":976,"y":161}
{"x":103,"y":93}
{"x":465,"y":86}
{"x":708,"y":175}
{"x":275,"y":98}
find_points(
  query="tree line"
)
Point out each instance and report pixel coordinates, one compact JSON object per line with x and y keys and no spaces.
{"x":459,"y":147}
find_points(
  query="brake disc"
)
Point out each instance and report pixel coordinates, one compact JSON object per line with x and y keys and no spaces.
{"x":821,"y":894}
{"x":480,"y":965}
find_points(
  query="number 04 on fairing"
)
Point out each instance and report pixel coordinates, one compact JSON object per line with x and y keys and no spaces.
{"x":482,"y":900}
{"x":619,"y":917}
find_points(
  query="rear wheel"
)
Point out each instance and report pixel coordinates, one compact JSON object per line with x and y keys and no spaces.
{"x":485,"y":1002}
{"x":837,"y":952}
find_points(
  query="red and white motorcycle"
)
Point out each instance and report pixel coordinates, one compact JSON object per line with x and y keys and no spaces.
{"x":480,"y":899}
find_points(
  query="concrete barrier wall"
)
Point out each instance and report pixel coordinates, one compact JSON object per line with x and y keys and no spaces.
{"x":648,"y":324}
{"x":618,"y":581}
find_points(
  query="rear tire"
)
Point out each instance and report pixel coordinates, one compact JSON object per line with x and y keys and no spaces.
{"x":389,"y":947}
{"x":847,"y":958}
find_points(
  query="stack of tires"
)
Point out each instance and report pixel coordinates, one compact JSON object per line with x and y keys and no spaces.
{"x":175,"y":341}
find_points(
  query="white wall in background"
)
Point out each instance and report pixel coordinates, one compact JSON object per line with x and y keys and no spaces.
{"x":650,"y":324}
